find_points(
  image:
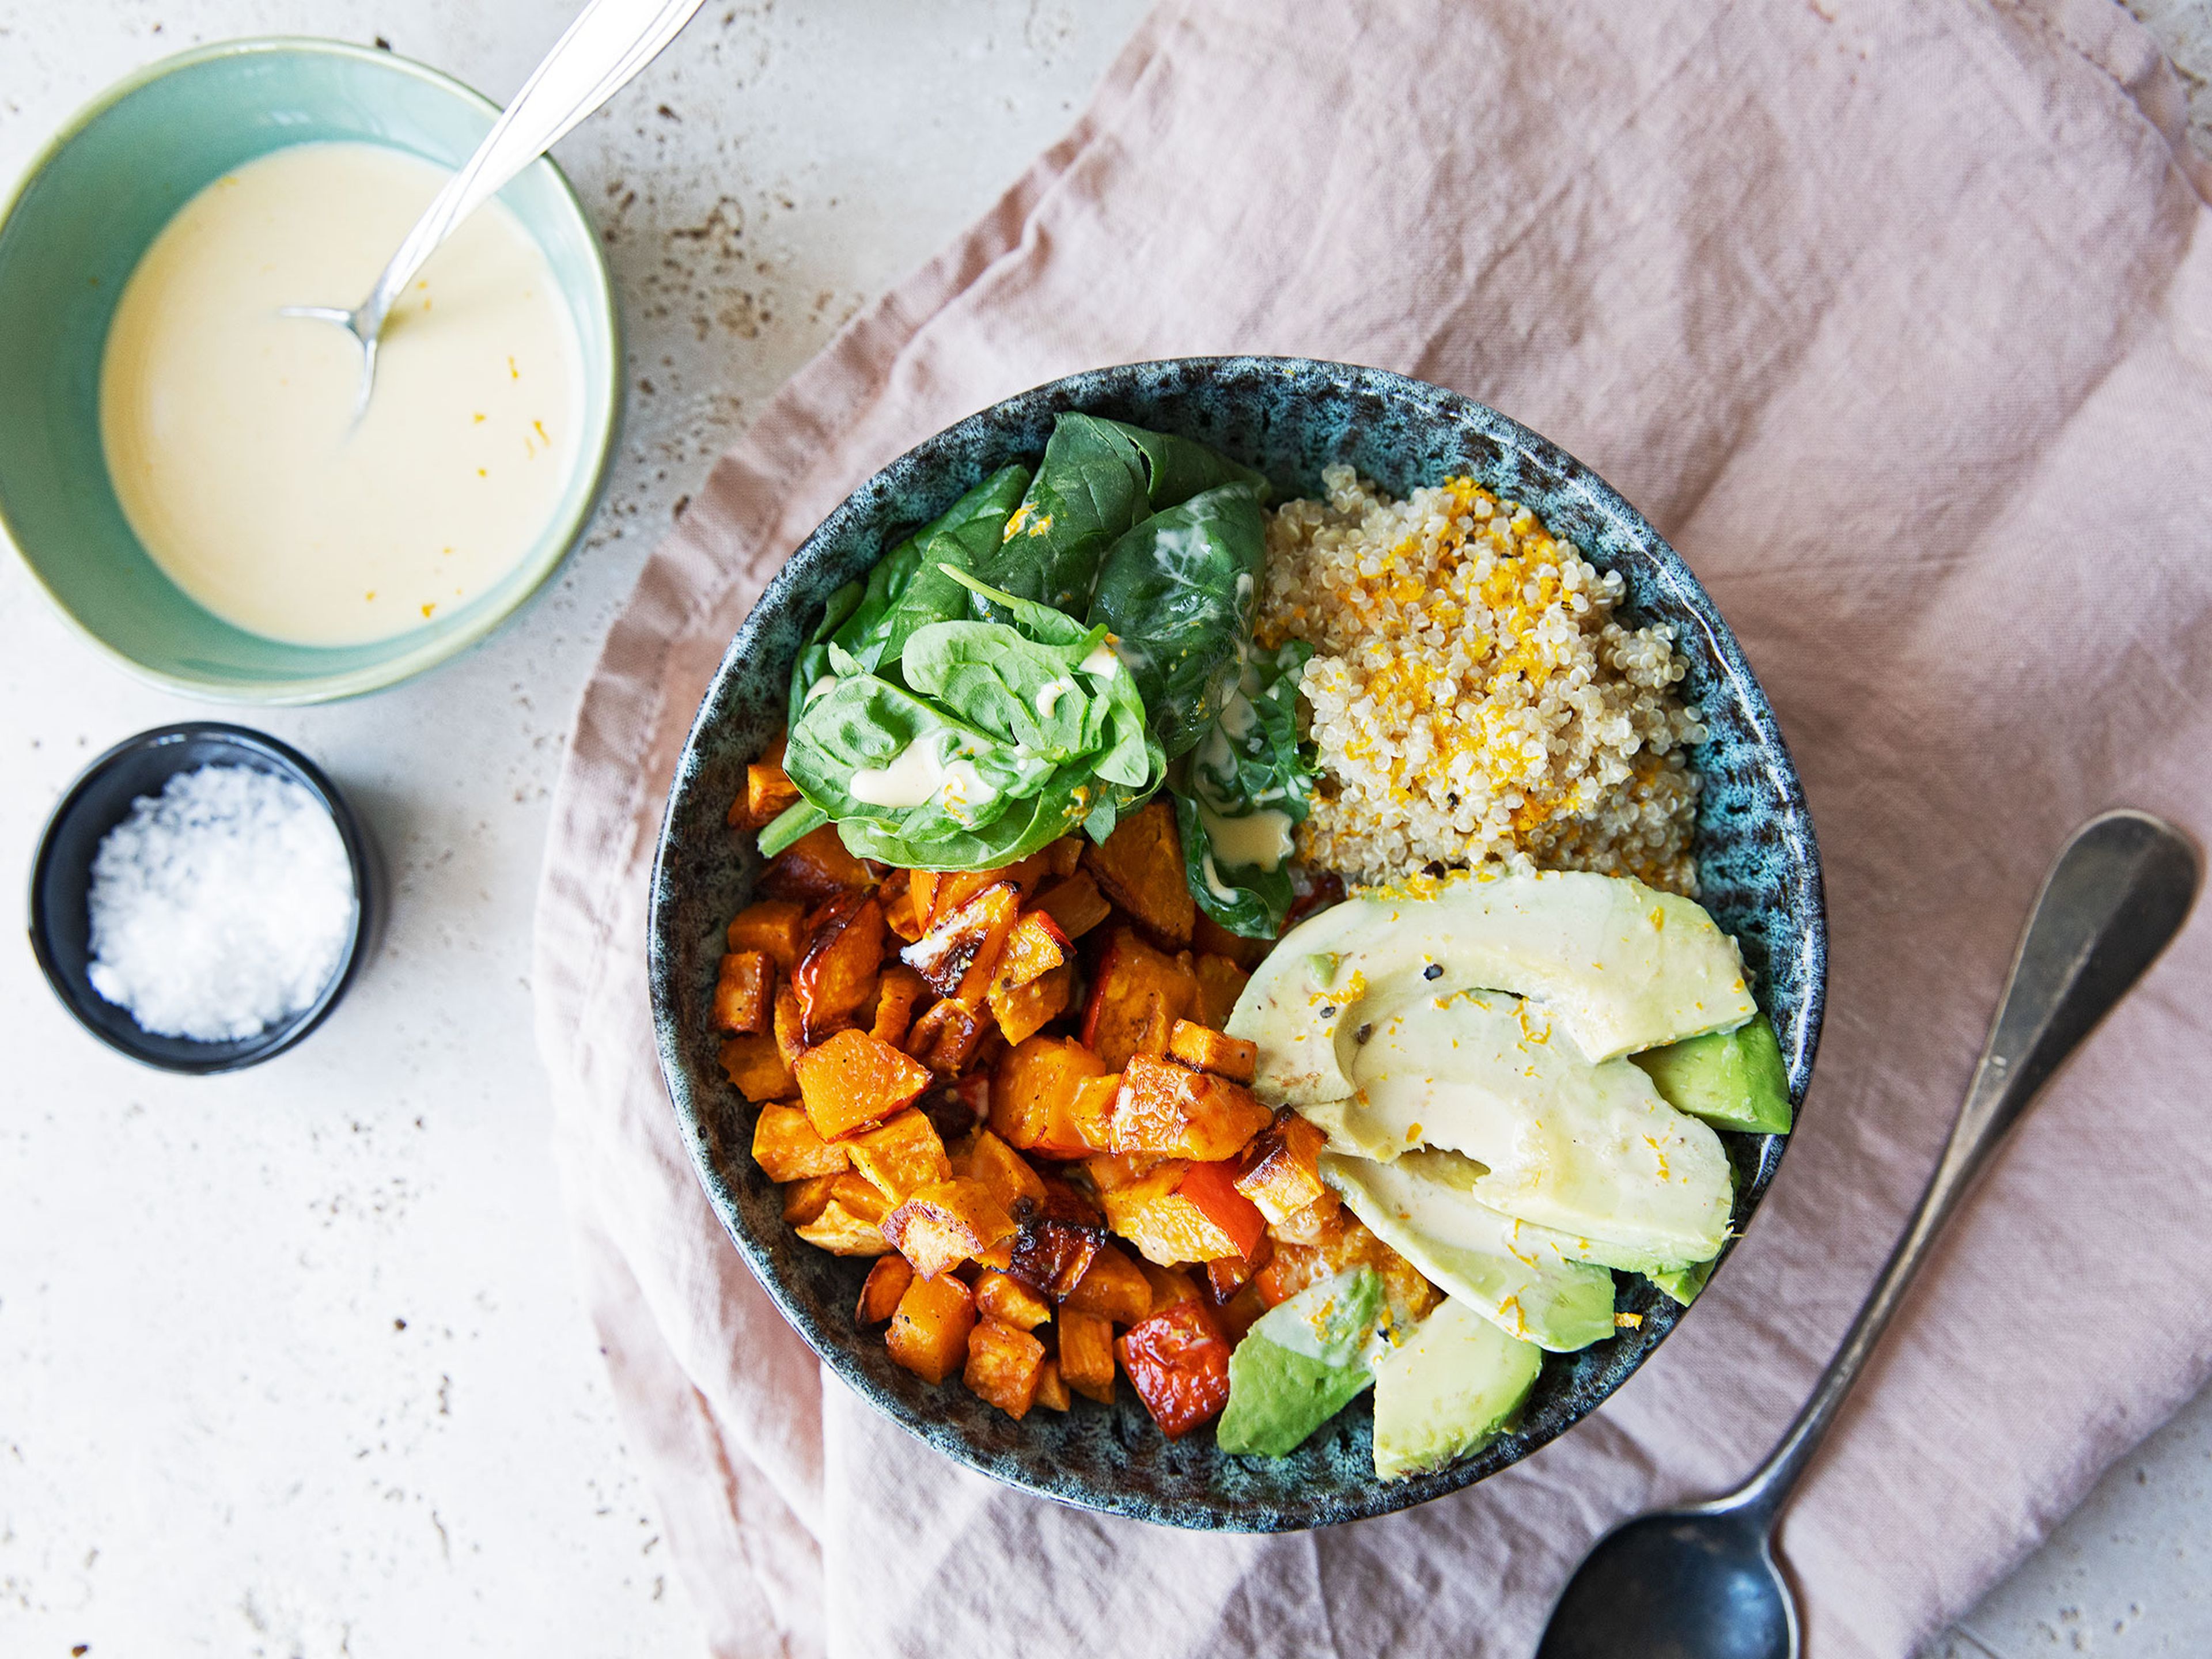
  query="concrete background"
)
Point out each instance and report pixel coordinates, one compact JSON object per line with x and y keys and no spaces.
{"x":290,"y":1363}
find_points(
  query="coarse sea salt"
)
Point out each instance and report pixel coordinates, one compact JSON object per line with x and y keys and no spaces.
{"x":220,"y":906}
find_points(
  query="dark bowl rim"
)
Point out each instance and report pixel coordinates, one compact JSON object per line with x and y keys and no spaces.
{"x":1067,"y":392}
{"x":358,"y":858}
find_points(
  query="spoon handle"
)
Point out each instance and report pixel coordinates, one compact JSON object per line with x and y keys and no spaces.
{"x":607,"y":44}
{"x":2113,"y":900}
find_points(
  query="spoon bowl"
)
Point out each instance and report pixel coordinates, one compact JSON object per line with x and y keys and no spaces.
{"x":1693,"y":1583}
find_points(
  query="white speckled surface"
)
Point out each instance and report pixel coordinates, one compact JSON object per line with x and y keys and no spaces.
{"x":290,"y":1363}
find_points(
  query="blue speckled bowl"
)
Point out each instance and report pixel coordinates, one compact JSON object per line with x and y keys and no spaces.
{"x":1290,"y":417}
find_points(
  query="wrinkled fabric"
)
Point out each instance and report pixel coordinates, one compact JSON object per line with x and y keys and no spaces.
{"x":1896,"y":319}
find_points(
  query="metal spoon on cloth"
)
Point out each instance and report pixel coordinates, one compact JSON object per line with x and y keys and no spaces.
{"x":1702,"y":1582}
{"x":603,"y":50}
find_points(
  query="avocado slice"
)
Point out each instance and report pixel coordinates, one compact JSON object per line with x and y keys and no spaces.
{"x":1591,"y":1151}
{"x":1620,"y":966}
{"x":1683,"y":1284}
{"x":1732,"y":1079}
{"x":1299,"y":1364}
{"x":1526,"y":1278}
{"x":1449,"y":1386}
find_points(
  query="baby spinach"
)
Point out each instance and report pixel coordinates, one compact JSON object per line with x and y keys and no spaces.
{"x":1178,"y":591}
{"x":1249,"y":761}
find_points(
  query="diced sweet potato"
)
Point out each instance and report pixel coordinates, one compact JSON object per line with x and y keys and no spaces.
{"x":1004,"y":1171}
{"x":1110,"y":1171}
{"x":1034,"y":949}
{"x":1320,"y":1222}
{"x":1220,"y":983}
{"x":886,"y":1284}
{"x":1137,"y":996}
{"x":755,"y":1068}
{"x":948,"y":1223}
{"x":1203,"y":1049}
{"x":1178,"y":1361}
{"x":803,"y":1201}
{"x":1166,"y":1109}
{"x":922,"y":889}
{"x":929,"y":1328}
{"x":897,"y":897}
{"x":1241,"y":1312}
{"x":813,"y":867}
{"x":956,"y":887}
{"x":839,"y":1232}
{"x":902,"y":1156}
{"x":1210,"y":937}
{"x":1062,"y":856}
{"x":1003,"y":1366}
{"x":1086,"y":1354}
{"x":898,"y":993}
{"x":1052,"y":1388}
{"x":1169,"y":1285}
{"x":1228,"y":1274}
{"x":854,"y":1078}
{"x":1212,"y":1187}
{"x":844,"y":948}
{"x":862,"y":1197}
{"x":777,"y":926}
{"x":1027,"y":1009}
{"x":1057,"y":1239}
{"x":1166,"y":1226}
{"x":1113,"y":1287}
{"x":1033,"y":1095}
{"x":786,"y":1148}
{"x":1289,"y":1270}
{"x":959,"y":953}
{"x":1075,"y":905}
{"x":1280,"y":1173}
{"x":745,"y":992}
{"x":768,"y":790}
{"x":949,"y":1037}
{"x":790,"y":1026}
{"x":1140,"y":866}
{"x":1091,"y":1113}
{"x":1002,"y":1296}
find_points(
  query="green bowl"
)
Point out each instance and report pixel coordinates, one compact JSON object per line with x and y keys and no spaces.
{"x":82,"y":216}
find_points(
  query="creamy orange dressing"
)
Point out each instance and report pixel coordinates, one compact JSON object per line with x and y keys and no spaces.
{"x":229,"y":429}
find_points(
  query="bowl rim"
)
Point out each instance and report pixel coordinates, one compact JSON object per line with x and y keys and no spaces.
{"x":358,"y":859}
{"x":562,"y":536}
{"x":946,"y":1435}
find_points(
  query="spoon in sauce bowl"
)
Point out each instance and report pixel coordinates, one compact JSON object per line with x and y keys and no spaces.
{"x":603,"y":49}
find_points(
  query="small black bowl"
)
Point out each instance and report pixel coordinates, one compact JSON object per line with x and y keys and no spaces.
{"x":61,"y":878}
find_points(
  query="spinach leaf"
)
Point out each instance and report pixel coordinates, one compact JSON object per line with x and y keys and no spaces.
{"x":1250,"y":762}
{"x":1178,"y":593}
{"x":813,"y":660}
{"x":1056,"y":809}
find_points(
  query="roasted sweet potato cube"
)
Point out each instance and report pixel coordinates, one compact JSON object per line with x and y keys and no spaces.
{"x":1241,"y":1312}
{"x":1004,"y":1170}
{"x":1203,"y":1049}
{"x":813,"y":867}
{"x":943,"y":1226}
{"x":1027,"y":1009}
{"x":854,"y":1078}
{"x":1113,"y":1287}
{"x":1002,"y":1296}
{"x":956,"y":887}
{"x":1228,"y":1274}
{"x":839,"y":1232}
{"x":768,"y":790}
{"x":1320,"y":1223}
{"x":1075,"y":905}
{"x":844,"y":948}
{"x":949,"y":1037}
{"x":1086,"y":1354}
{"x":1034,"y":949}
{"x":898,"y":992}
{"x":886,"y":1283}
{"x":754,"y":1066}
{"x":745,"y":992}
{"x":803,"y":1201}
{"x":1062,"y":856}
{"x":1136,"y":997}
{"x":929,"y":1328}
{"x":1140,"y":866}
{"x":1281,"y":1172}
{"x":1165,"y":1226}
{"x":1209,"y":938}
{"x":1053,"y":1251}
{"x":1033,"y":1095}
{"x":897,"y":897}
{"x":1166,"y":1109}
{"x":922,"y":889}
{"x":901,"y":1156}
{"x":862,"y":1197}
{"x":1178,"y":1362}
{"x":786,"y":1148}
{"x":790,"y":1026}
{"x":1169,"y":1285}
{"x":777,"y":926}
{"x":1091,"y":1113}
{"x":1003,"y":1367}
{"x":959,"y":953}
{"x":1220,"y":983}
{"x":1052,"y":1388}
{"x":1212,"y":1187}
{"x":1110,"y":1172}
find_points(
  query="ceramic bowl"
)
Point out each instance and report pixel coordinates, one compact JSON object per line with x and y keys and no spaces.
{"x":100,"y":798}
{"x":86,"y":210}
{"x":1289,"y":418}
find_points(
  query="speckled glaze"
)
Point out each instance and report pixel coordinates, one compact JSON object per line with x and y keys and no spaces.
{"x":1288,"y":417}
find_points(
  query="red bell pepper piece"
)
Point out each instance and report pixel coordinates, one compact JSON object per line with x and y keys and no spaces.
{"x":1178,"y":1361}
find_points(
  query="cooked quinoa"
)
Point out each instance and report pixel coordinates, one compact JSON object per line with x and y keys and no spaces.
{"x":1473,"y":699}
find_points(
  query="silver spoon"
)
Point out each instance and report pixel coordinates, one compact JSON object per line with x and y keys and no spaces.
{"x":607,"y":44}
{"x":1702,"y":1582}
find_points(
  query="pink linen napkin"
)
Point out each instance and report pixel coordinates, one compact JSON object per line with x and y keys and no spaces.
{"x":1896,"y":319}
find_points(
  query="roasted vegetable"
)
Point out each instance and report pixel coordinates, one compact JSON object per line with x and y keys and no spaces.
{"x":1112,"y":1286}
{"x":1213,"y":1188}
{"x":1173,"y":1112}
{"x":1220,"y":983}
{"x":948,"y":1223}
{"x":1167,"y":1225}
{"x":959,"y":953}
{"x":1027,"y":1009}
{"x":854,"y":1078}
{"x":803,"y":1201}
{"x":1281,"y":1171}
{"x":1004,"y":1171}
{"x":843,"y":1227}
{"x":885,"y":1287}
{"x":898,"y":992}
{"x":1203,"y":1049}
{"x":929,"y":1328}
{"x":948,"y":1037}
{"x":1074,"y":904}
{"x":1033,"y":1095}
{"x":1052,"y":1388}
{"x":745,"y":992}
{"x":786,"y":1148}
{"x":1178,"y":1361}
{"x":1004,"y":1298}
{"x":1135,"y":999}
{"x":813,"y":868}
{"x":1140,"y":866}
{"x":1034,"y":949}
{"x":901,"y":1157}
{"x":1003,"y":1366}
{"x":777,"y":926}
{"x":754,"y":1066}
{"x":1086,"y":1354}
{"x":1059,"y":1234}
{"x":844,"y":948}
